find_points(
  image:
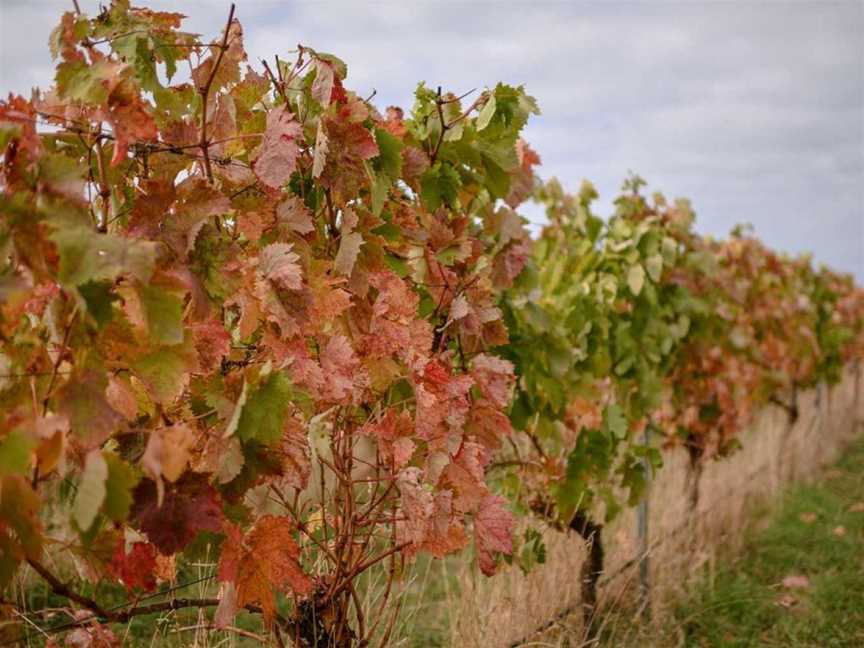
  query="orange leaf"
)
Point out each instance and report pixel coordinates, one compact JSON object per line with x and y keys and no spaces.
{"x":262,"y":562}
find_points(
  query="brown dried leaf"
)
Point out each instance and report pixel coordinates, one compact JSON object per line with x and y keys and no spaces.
{"x":796,"y":581}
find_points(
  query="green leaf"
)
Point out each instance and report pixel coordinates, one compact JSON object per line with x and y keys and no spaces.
{"x":265,"y":409}
{"x":15,"y":452}
{"x":389,"y":160}
{"x":81,"y":81}
{"x":389,"y":231}
{"x":166,"y":371}
{"x":88,"y":256}
{"x":397,"y":265}
{"x":91,"y":490}
{"x":380,"y":189}
{"x":636,"y":278}
{"x":99,"y":298}
{"x":164,"y":313}
{"x":614,"y":421}
{"x":8,"y":132}
{"x":121,"y":481}
{"x":654,"y":265}
{"x":486,"y":113}
{"x":440,"y":186}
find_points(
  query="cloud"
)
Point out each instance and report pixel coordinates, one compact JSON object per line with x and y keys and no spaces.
{"x":752,"y":110}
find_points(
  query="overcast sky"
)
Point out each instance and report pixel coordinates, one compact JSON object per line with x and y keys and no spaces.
{"x":754,"y":111}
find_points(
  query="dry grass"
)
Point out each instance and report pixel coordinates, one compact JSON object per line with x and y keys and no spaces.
{"x":684,"y":541}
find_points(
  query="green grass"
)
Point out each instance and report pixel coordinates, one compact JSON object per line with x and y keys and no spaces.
{"x":747,"y":604}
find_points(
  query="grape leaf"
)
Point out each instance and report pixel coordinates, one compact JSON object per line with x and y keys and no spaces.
{"x":255,"y":577}
{"x":164,"y":313}
{"x":346,"y":257}
{"x":440,"y":186}
{"x":99,"y":297}
{"x":486,"y":113}
{"x":91,"y":490}
{"x":120,"y":483}
{"x":15,"y":449}
{"x":85,"y":256}
{"x":165,"y":371}
{"x":84,"y":403}
{"x":295,"y":215}
{"x":278,"y":264}
{"x":135,"y":569}
{"x":636,"y":278}
{"x":494,"y":376}
{"x":277,"y":157}
{"x":264,"y":410}
{"x":189,"y":506}
{"x":493,"y":531}
{"x":19,"y":513}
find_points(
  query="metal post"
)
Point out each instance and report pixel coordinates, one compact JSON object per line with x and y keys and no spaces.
{"x":642,"y":516}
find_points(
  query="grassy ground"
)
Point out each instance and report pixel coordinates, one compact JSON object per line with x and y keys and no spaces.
{"x":800,"y":581}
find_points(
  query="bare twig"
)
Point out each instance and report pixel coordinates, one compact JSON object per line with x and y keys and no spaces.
{"x":205,"y":93}
{"x":59,"y":360}
{"x":277,"y":84}
{"x":439,"y":103}
{"x":61,"y":589}
{"x":104,"y":187}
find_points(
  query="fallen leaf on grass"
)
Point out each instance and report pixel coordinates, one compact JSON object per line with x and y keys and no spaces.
{"x":786,"y":601}
{"x":796,"y":581}
{"x":839,"y":531}
{"x":857,"y":507}
{"x":808,"y":518}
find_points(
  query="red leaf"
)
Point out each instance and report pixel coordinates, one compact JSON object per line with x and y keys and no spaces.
{"x":189,"y":506}
{"x":137,"y":569}
{"x":493,"y":531}
{"x":392,"y":433}
{"x":394,"y":315}
{"x":277,"y":158}
{"x":295,"y":454}
{"x":417,"y":506}
{"x":494,"y":377}
{"x":349,"y":144}
{"x":395,"y":124}
{"x":212,"y":342}
{"x":442,"y":402}
{"x":341,"y":368}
